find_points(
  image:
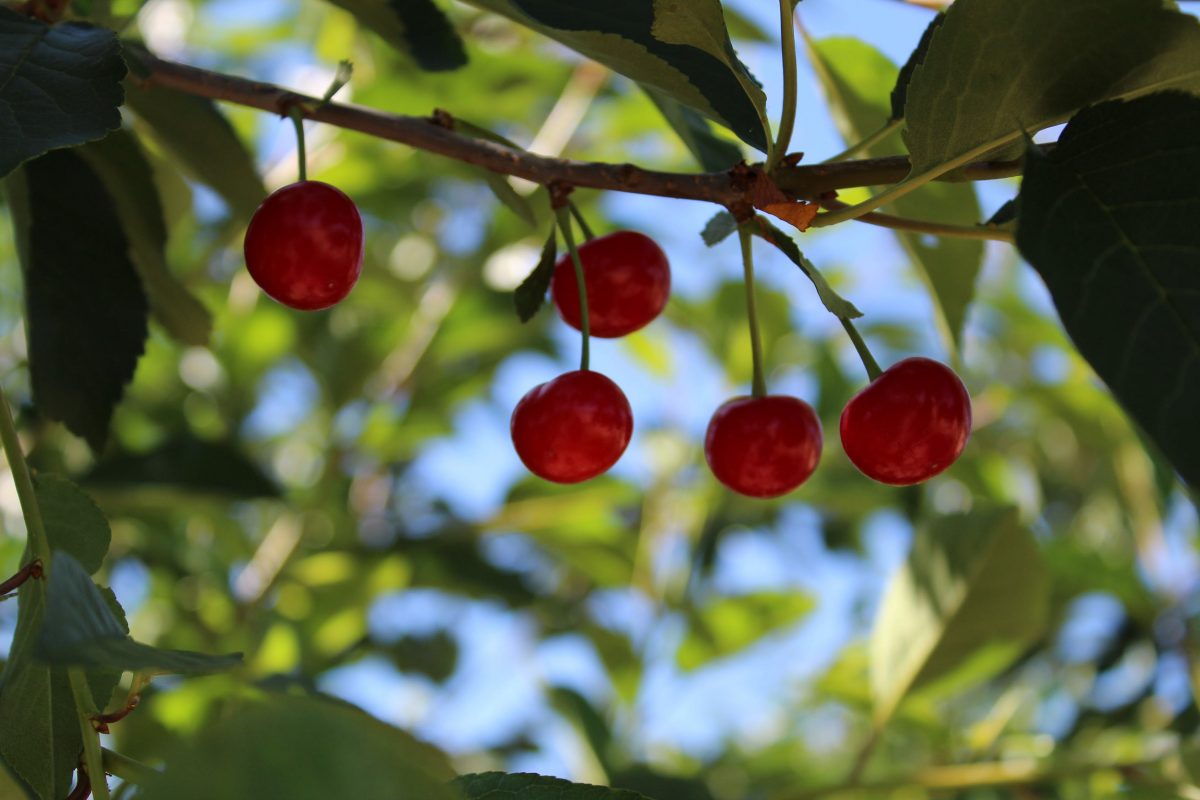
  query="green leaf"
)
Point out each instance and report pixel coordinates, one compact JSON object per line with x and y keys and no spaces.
{"x":834,"y":303}
{"x":416,"y":27}
{"x":530,"y":295}
{"x":1108,"y":219}
{"x":79,"y":629}
{"x":856,"y":76}
{"x":719,"y":228}
{"x":899,"y":96}
{"x":995,"y":71}
{"x":682,"y":49}
{"x":197,"y":135}
{"x":730,"y":624}
{"x":122,"y":166}
{"x":712,"y":153}
{"x":972,"y":594}
{"x":524,"y":786}
{"x":506,"y":194}
{"x":73,"y":521}
{"x":85,"y":307}
{"x":302,"y":748}
{"x":59,"y":86}
{"x":187,"y":464}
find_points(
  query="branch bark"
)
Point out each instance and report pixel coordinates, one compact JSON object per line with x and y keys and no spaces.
{"x":436,"y":134}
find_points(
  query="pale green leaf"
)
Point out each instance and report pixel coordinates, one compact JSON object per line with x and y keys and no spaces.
{"x":730,"y":624}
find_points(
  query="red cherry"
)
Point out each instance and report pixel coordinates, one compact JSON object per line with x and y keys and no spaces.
{"x":763,"y":446}
{"x":304,"y":246}
{"x":911,"y":423}
{"x":572,"y":428}
{"x":628,"y":282}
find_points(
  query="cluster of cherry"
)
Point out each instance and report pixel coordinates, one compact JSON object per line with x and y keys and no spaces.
{"x":304,"y":248}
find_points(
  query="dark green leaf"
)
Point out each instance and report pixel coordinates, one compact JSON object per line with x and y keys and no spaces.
{"x":1005,"y":215}
{"x":416,"y":27}
{"x":524,"y":786}
{"x":1108,"y":219}
{"x":983,"y":83}
{"x":972,"y":594}
{"x":73,"y":522}
{"x":79,"y":629}
{"x":856,"y":77}
{"x":59,"y":86}
{"x":530,"y":295}
{"x":712,"y":153}
{"x":434,"y":656}
{"x":122,"y":166}
{"x":900,"y":91}
{"x":302,"y":748}
{"x":682,"y":49}
{"x":834,"y":303}
{"x":85,"y":307}
{"x":719,"y":228}
{"x":188,"y":464}
{"x":195,"y":132}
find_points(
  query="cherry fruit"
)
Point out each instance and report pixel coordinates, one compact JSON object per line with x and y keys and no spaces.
{"x":572,"y":428}
{"x":628,"y":281}
{"x":910,"y":424}
{"x":763,"y":446}
{"x":304,"y":246}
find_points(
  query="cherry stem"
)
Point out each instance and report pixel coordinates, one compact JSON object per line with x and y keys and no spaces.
{"x":585,"y":324}
{"x":583,"y":226}
{"x":864,"y":352}
{"x":787,"y":122}
{"x":297,"y":116}
{"x":759,"y":386}
{"x":38,"y":544}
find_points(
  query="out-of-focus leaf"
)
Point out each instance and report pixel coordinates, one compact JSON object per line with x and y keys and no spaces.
{"x":433,"y":656}
{"x":506,"y":194}
{"x":59,"y":86}
{"x":711,"y":152}
{"x":195,"y":132}
{"x":85,"y":306}
{"x":682,"y":49}
{"x":416,"y":27}
{"x":1108,"y":219}
{"x":188,"y":464}
{"x":982,"y":84}
{"x":530,"y":295}
{"x":730,"y":624}
{"x":120,"y":163}
{"x":302,"y":748}
{"x":525,"y":786}
{"x":972,"y":594}
{"x":79,"y":629}
{"x":856,"y":78}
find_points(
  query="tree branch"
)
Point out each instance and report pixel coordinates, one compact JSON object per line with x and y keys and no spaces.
{"x":436,"y":134}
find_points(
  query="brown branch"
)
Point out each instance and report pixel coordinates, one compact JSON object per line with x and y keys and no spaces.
{"x":437,"y":135}
{"x":31,"y":570}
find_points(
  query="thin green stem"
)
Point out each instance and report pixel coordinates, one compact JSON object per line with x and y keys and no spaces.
{"x":39,"y":545}
{"x":583,"y":225}
{"x":910,"y":184}
{"x":92,"y":758}
{"x":864,"y":352}
{"x":866,"y":144}
{"x":977,"y":232}
{"x":745,"y":236}
{"x":297,"y":116}
{"x":787,"y":122}
{"x":585,"y":323}
{"x":126,"y":768}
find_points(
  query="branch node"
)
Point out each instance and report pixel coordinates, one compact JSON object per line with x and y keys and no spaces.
{"x":442,"y":118}
{"x":560,"y":194}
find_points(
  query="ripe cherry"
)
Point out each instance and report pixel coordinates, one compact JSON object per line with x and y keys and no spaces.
{"x":304,"y":246}
{"x":572,"y":428}
{"x":763,"y":446}
{"x":911,"y":423}
{"x":628,"y":282}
